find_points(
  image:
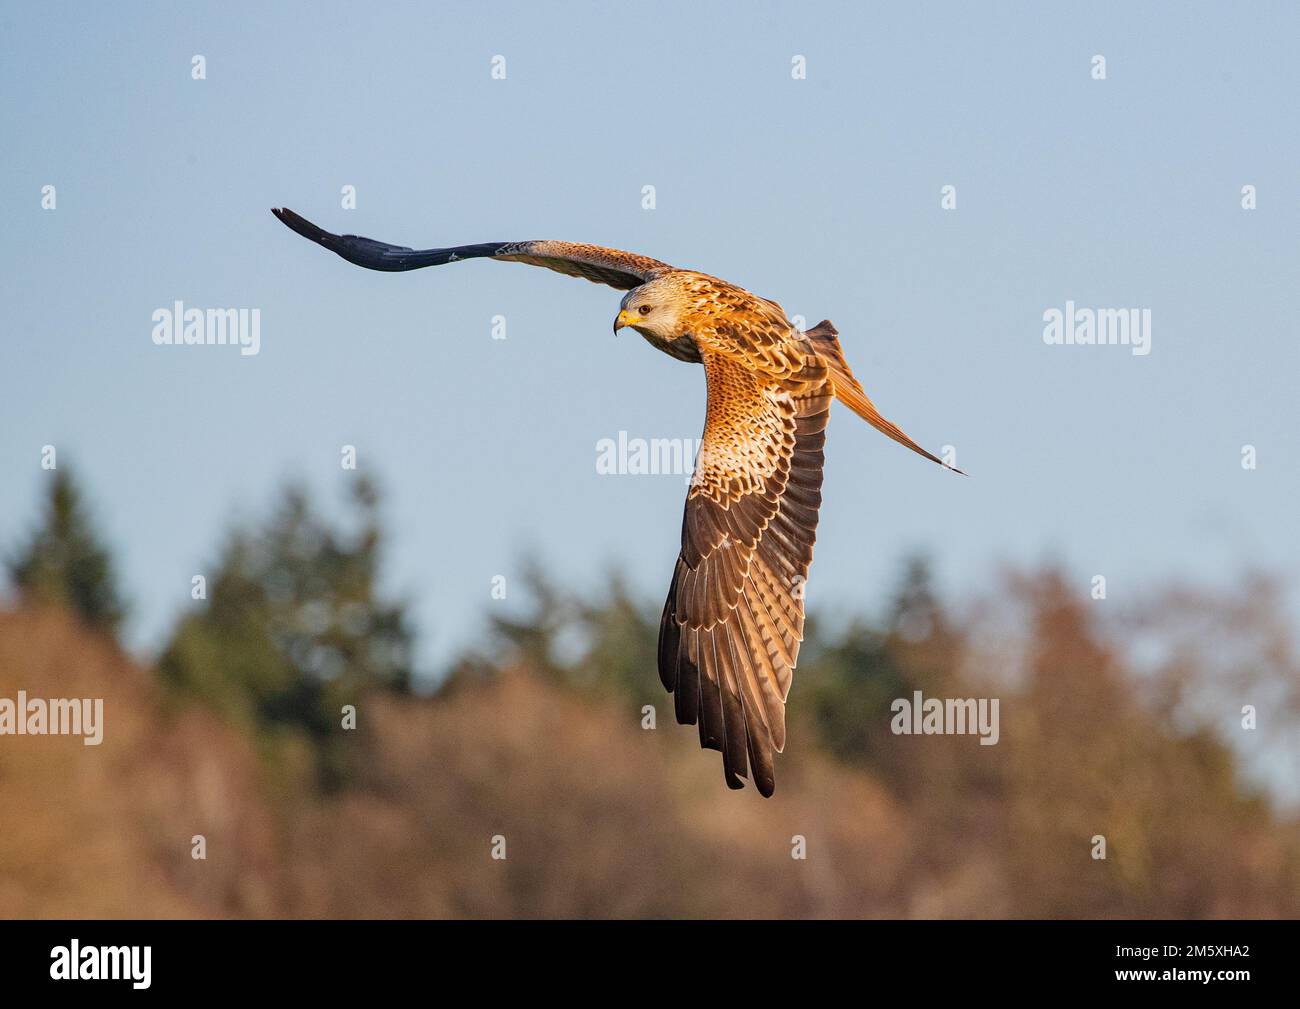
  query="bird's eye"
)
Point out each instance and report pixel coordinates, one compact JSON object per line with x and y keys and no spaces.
{"x":644,"y":309}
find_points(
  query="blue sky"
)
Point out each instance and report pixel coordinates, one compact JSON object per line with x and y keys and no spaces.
{"x":822,"y":193}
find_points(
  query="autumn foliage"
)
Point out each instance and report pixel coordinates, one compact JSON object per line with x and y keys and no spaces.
{"x":1130,"y":729}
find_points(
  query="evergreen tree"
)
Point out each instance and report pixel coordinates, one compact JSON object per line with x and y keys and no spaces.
{"x":605,"y":642}
{"x":63,"y":563}
{"x":850,"y":683}
{"x":294,"y":629}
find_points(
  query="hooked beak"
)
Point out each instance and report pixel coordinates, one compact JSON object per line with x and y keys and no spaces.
{"x":621,"y":320}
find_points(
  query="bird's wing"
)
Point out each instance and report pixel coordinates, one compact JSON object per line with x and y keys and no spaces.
{"x":623,"y":270}
{"x":731,"y":627}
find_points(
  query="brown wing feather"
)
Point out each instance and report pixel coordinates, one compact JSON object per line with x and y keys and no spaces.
{"x":731,"y":627}
{"x":623,"y":270}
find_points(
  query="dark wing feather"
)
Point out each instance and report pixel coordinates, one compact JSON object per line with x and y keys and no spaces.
{"x":731,"y":627}
{"x":623,"y":270}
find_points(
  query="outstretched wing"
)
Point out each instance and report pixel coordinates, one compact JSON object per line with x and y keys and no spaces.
{"x":730,"y":633}
{"x":623,"y":270}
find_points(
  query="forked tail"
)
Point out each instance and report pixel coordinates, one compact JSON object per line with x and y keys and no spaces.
{"x":849,"y":392}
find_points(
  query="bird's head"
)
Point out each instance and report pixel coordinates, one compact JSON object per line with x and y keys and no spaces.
{"x":656,"y":308}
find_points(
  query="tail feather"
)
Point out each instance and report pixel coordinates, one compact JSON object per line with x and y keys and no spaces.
{"x":849,"y":392}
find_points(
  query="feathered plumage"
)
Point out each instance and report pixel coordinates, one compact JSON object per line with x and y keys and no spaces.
{"x":731,"y":627}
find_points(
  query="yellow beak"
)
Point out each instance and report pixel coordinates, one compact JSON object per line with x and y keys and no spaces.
{"x":623,"y":320}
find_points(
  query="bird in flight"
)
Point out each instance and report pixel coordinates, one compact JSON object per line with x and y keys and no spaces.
{"x":730,"y":632}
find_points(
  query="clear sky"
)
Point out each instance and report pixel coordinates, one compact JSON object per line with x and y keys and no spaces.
{"x":823,"y":193}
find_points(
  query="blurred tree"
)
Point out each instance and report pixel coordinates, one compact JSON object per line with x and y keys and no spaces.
{"x":63,"y":562}
{"x":915,"y":613}
{"x":294,"y":629}
{"x":605,"y":643}
{"x":531,"y":639}
{"x":1088,"y":757}
{"x":622,"y":638}
{"x":851,"y":682}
